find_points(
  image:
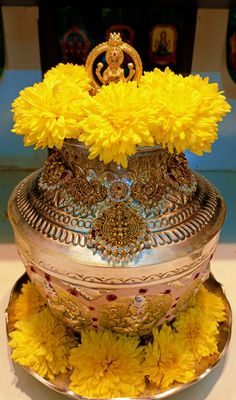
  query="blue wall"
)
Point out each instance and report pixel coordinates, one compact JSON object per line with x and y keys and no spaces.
{"x":12,"y":151}
{"x":223,"y":154}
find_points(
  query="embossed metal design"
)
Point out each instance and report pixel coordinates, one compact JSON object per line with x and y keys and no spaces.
{"x":65,"y":208}
{"x":116,"y":280}
{"x":136,"y":315}
{"x":118,"y":191}
{"x":178,"y":171}
{"x":61,"y":383}
{"x":86,"y":192}
{"x":114,"y":70}
{"x":55,"y":171}
{"x":119,"y":233}
{"x":73,"y":313}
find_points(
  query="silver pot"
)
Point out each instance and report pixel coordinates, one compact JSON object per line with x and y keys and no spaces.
{"x":116,"y":248}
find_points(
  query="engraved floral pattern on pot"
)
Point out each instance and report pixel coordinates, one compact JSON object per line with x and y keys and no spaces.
{"x":86,"y":192}
{"x":148,"y":189}
{"x":119,"y":234}
{"x":134,"y":315}
{"x":55,"y":171}
{"x":178,"y":172}
{"x":119,"y":191}
{"x":72,"y":312}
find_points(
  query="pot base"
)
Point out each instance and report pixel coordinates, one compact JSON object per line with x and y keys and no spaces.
{"x":61,"y":382}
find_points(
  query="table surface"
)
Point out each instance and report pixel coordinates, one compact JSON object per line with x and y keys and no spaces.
{"x":15,"y":383}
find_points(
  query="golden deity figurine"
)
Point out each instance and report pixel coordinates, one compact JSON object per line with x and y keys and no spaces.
{"x":114,"y":50}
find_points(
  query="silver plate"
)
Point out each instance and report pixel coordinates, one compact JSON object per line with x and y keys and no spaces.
{"x":61,"y":382}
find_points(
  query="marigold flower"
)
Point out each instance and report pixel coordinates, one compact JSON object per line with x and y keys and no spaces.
{"x":69,"y":74}
{"x":47,"y":114}
{"x":42,"y":343}
{"x":107,"y":365}
{"x":209,"y":304}
{"x":187,"y":110}
{"x":28,"y":302}
{"x":118,"y":120}
{"x":167,"y":359}
{"x":197,"y":332}
{"x":100,"y":364}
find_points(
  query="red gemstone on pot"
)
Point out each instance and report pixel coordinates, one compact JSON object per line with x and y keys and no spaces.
{"x":167,"y":291}
{"x":47,"y":277}
{"x":142,"y":291}
{"x":111,"y":297}
{"x":73,"y":292}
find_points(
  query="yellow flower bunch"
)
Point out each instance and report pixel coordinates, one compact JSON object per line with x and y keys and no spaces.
{"x":107,"y":365}
{"x":187,"y":110}
{"x":42,"y":343}
{"x":168,"y":359}
{"x":118,"y":119}
{"x":28,"y":302}
{"x":165,"y":109}
{"x":198,"y":325}
{"x":69,"y":75}
{"x":49,"y":112}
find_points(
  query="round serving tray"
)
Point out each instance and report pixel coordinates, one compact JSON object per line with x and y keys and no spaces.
{"x":61,"y":382}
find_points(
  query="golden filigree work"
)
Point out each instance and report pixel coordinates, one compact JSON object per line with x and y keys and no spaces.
{"x":114,"y":70}
{"x":87,"y":192}
{"x":58,"y":182}
{"x":148,"y":190}
{"x":178,"y":172}
{"x":72,"y":312}
{"x":118,"y":191}
{"x":137,"y":315}
{"x":119,"y":234}
{"x":55,"y":171}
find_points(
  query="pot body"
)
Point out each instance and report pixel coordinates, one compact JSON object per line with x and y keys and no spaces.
{"x":115,"y":248}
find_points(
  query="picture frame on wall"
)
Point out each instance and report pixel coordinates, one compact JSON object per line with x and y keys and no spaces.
{"x":163,"y":36}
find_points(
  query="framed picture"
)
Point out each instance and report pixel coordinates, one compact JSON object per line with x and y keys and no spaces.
{"x":163,"y":36}
{"x":162,"y":48}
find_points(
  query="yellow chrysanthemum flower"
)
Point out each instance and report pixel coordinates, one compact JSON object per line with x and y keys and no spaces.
{"x":42,"y":343}
{"x":107,"y":365}
{"x":187,"y":110}
{"x":69,"y":74}
{"x":47,"y":114}
{"x":28,"y":302}
{"x":167,"y":359}
{"x":209,"y":304}
{"x":197,"y":332}
{"x":118,"y":119}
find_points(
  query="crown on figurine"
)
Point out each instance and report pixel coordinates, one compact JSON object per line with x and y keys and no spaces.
{"x":115,"y":39}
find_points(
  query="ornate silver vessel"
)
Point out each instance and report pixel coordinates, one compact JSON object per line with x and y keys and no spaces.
{"x":116,"y":248}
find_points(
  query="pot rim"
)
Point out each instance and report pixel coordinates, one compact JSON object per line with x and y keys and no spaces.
{"x":140,"y":149}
